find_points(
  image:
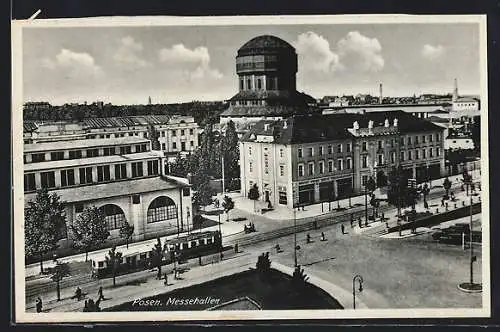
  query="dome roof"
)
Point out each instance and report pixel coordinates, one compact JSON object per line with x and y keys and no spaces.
{"x":265,"y":43}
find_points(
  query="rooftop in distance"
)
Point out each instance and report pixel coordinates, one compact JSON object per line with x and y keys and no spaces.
{"x":83,"y":143}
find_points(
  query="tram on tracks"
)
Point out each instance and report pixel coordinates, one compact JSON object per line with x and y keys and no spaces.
{"x":178,"y":248}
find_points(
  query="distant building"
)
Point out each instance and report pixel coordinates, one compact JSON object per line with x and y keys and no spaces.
{"x":306,"y":159}
{"x":122,"y":176}
{"x":418,"y":110}
{"x":177,"y":134}
{"x":458,"y":142}
{"x":266,"y":68}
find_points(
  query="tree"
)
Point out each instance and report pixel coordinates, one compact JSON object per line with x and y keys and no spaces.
{"x":231,"y":153}
{"x":126,"y":232}
{"x":60,"y":271}
{"x":254,"y":194}
{"x":398,"y":188}
{"x":89,"y":230}
{"x":371,"y":185}
{"x":153,"y":136}
{"x":299,"y":278}
{"x":447,"y":186}
{"x":157,"y":254}
{"x":228,"y":205}
{"x":113,"y":261}
{"x":43,"y":221}
{"x":263,"y":265}
{"x":203,"y":193}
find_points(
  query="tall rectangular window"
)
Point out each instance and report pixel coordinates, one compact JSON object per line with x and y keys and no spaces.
{"x":29,"y":182}
{"x":438,"y":137}
{"x":438,"y":152}
{"x":85,"y":175}
{"x":424,"y":153}
{"x":103,"y":173}
{"x":409,"y":155}
{"x":183,"y":146}
{"x":120,"y":171}
{"x":191,"y":131}
{"x":301,"y":170}
{"x":321,"y":167}
{"x":380,"y":159}
{"x":183,"y":132}
{"x":431,"y":137}
{"x":310,"y":152}
{"x":174,"y":146}
{"x":393,"y":157}
{"x":330,"y":166}
{"x":339,"y":148}
{"x":330,"y":149}
{"x":364,"y":146}
{"x":364,"y":161}
{"x":364,"y":179}
{"x":174,"y":133}
{"x":379,"y":145}
{"x":67,"y":178}
{"x":58,"y":155}
{"x":320,"y":151}
{"x":340,"y":164}
{"x":402,"y":156}
{"x":152,"y":167}
{"x":137,"y":170}
{"x":310,"y":169}
{"x":423,"y":138}
{"x":48,"y":179}
{"x":348,"y":147}
{"x":416,"y":139}
{"x":431,"y":153}
{"x":299,"y":152}
{"x":409,"y":140}
{"x":349,"y":163}
{"x":75,"y":154}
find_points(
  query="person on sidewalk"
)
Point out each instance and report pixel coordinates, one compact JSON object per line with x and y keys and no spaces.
{"x":78,"y":294}
{"x":352,"y":220}
{"x":100,"y":296}
{"x":308,"y":238}
{"x":323,"y":236}
{"x":342,"y":227}
{"x":39,"y":304}
{"x":165,"y":278}
{"x":86,"y":306}
{"x":359,"y":222}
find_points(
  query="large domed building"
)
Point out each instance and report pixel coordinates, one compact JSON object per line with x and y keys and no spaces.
{"x":266,"y":67}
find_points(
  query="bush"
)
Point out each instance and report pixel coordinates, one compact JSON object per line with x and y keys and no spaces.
{"x":299,"y":278}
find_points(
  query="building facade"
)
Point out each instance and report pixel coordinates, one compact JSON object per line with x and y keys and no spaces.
{"x":176,"y":134}
{"x":122,"y":176}
{"x":313,"y":158}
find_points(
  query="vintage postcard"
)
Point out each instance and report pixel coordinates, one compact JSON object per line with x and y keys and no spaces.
{"x":246,"y":168}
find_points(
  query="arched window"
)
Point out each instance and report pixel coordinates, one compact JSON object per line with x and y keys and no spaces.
{"x":162,"y":208}
{"x":114,"y":216}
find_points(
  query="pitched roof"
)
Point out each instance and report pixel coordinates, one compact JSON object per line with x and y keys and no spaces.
{"x":125,"y":121}
{"x":315,"y":128}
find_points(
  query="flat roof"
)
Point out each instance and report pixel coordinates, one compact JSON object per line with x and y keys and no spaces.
{"x":82,"y":143}
{"x":113,"y":189}
{"x":67,"y":163}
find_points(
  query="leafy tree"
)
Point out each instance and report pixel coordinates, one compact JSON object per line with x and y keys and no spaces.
{"x":228,"y":205}
{"x":89,"y":230}
{"x":113,"y":261}
{"x":203,"y":193}
{"x":179,"y":167}
{"x":231,"y":153}
{"x":126,"y":232}
{"x":299,"y":278}
{"x":60,"y":271}
{"x":157,"y":254}
{"x":44,"y":218}
{"x":398,"y":193}
{"x":263,"y":265}
{"x":371,"y":185}
{"x":254,"y":194}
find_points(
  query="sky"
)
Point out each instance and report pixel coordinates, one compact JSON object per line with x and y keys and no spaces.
{"x":126,"y":65}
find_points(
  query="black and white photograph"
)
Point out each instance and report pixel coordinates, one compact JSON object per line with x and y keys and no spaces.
{"x":245,"y":168}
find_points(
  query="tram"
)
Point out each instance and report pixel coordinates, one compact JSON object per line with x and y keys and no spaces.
{"x":139,"y":257}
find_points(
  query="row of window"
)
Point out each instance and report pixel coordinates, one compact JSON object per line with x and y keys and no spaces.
{"x":321,"y":150}
{"x":174,"y":132}
{"x":67,"y":176}
{"x":341,"y":164}
{"x":174,"y":145}
{"x":89,"y":153}
{"x":247,"y":83}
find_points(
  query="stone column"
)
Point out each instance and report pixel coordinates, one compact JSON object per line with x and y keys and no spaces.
{"x":316,"y":192}
{"x":335,"y":189}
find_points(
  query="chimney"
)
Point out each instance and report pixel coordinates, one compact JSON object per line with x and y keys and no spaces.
{"x":380,"y":93}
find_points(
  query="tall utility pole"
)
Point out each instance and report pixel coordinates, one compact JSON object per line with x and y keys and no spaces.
{"x":223,"y":182}
{"x":294,"y":237}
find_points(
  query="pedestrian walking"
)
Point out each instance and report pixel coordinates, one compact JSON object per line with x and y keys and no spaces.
{"x":86,"y":306}
{"x":165,"y":277}
{"x":359,"y":222}
{"x":342,"y":227}
{"x":39,"y":304}
{"x":352,"y":221}
{"x":100,"y":296}
{"x":323,"y":236}
{"x":277,"y":247}
{"x":78,"y":294}
{"x":308,"y":238}
{"x":442,"y":201}
{"x":236,"y":248}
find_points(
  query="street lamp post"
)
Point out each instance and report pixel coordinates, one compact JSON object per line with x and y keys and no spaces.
{"x":294,"y":237}
{"x":366,"y":205}
{"x":360,"y":281}
{"x":220,"y":234}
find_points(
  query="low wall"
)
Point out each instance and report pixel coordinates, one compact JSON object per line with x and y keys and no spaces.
{"x":439,"y":218}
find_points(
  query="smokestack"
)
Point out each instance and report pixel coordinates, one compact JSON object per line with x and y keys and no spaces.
{"x":380,"y":92}
{"x":455,"y":91}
